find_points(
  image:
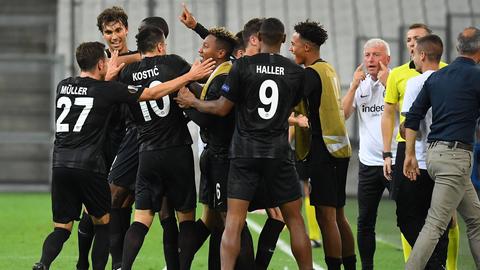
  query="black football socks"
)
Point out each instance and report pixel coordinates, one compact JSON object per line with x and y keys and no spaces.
{"x":132,"y":244}
{"x":85,"y":239}
{"x":53,"y":245}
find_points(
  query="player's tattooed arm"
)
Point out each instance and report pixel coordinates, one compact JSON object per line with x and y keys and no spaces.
{"x":197,"y":71}
{"x":221,"y":106}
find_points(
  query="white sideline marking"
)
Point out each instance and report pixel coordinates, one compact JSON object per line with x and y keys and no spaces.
{"x":280,"y":243}
{"x":388,"y":243}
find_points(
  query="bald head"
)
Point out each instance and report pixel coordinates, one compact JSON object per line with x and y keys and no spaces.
{"x":469,"y":41}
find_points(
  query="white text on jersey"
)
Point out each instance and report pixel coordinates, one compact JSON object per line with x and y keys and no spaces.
{"x":142,"y":75}
{"x":73,"y":90}
{"x":270,"y":70}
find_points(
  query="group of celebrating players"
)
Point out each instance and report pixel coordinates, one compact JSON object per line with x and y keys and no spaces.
{"x":124,"y":118}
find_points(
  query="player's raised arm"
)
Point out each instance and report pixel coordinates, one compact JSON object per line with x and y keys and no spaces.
{"x":197,"y":71}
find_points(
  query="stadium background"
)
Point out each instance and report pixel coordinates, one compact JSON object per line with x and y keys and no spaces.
{"x":38,"y":38}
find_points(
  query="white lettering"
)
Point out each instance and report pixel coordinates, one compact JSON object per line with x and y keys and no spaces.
{"x":142,"y":75}
{"x":270,"y":70}
{"x":73,"y":90}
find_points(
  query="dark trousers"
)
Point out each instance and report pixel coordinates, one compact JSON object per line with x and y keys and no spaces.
{"x":371,"y":185}
{"x":413,"y":201}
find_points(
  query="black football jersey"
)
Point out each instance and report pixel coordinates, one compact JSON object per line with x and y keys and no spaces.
{"x":84,"y":107}
{"x":161,"y":123}
{"x":264,"y":88}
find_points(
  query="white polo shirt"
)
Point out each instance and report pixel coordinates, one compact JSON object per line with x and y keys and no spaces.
{"x":369,"y":104}
{"x":414,"y":85}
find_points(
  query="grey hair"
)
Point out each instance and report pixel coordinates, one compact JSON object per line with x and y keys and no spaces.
{"x":469,"y":44}
{"x":377,"y":42}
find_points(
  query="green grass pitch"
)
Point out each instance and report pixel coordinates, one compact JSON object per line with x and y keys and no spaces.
{"x":25,"y":220}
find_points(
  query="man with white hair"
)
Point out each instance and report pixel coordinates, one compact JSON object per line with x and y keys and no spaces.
{"x":366,"y":97}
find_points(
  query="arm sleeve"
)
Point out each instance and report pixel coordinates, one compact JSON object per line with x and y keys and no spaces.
{"x":391,"y":92}
{"x":419,"y":108}
{"x":408,"y":98}
{"x":312,"y":82}
{"x":122,"y":93}
{"x":300,"y":94}
{"x":231,"y":88}
{"x":201,"y":30}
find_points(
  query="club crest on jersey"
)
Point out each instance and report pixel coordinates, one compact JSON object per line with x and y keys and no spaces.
{"x":225,"y":88}
{"x":133,"y":89}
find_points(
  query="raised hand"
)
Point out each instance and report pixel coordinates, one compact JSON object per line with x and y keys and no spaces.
{"x":383,"y":73}
{"x":358,"y":76}
{"x":187,"y":18}
{"x":113,"y":67}
{"x":201,"y":70}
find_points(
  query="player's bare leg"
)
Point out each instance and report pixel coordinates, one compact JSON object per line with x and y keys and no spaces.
{"x":299,"y":241}
{"x":332,"y":242}
{"x":348,"y":242}
{"x":230,"y":247}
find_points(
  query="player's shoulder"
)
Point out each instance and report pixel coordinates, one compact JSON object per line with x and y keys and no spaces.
{"x":172,"y":58}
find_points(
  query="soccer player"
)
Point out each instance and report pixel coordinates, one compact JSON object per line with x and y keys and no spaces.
{"x":113,"y":25}
{"x":165,"y":156}
{"x":84,"y":106}
{"x":330,"y":148}
{"x":264,"y":88}
{"x":274,"y":224}
{"x":365,"y":96}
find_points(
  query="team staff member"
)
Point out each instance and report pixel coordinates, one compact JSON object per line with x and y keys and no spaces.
{"x":261,"y":122}
{"x":401,"y":188}
{"x":79,"y":167}
{"x":453,"y":93}
{"x":426,"y":56}
{"x":365,"y":96}
{"x":330,"y":148}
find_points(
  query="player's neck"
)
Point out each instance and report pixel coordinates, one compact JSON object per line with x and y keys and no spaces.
{"x":218,"y":62}
{"x":310,"y":58}
{"x":150,"y":54}
{"x":123,"y":50}
{"x":90,"y":74}
{"x":270,"y":49}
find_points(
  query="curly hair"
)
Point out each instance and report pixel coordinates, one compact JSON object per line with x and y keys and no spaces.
{"x":113,"y":14}
{"x":224,"y":39}
{"x":311,"y":31}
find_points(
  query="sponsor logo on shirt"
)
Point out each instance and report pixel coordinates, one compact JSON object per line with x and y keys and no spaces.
{"x":374,"y":109}
{"x":133,"y":89}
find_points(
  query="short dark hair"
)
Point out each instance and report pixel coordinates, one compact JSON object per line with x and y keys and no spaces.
{"x":272,"y":31}
{"x":251,"y":27}
{"x":311,"y":31}
{"x":113,"y":14}
{"x":469,"y":41}
{"x":420,"y":25}
{"x":224,"y":40}
{"x":148,"y":38}
{"x":88,"y":54}
{"x":239,"y":44}
{"x":155,"y":21}
{"x":432,"y":45}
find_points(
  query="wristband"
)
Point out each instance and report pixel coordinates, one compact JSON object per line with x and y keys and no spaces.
{"x":386,"y":154}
